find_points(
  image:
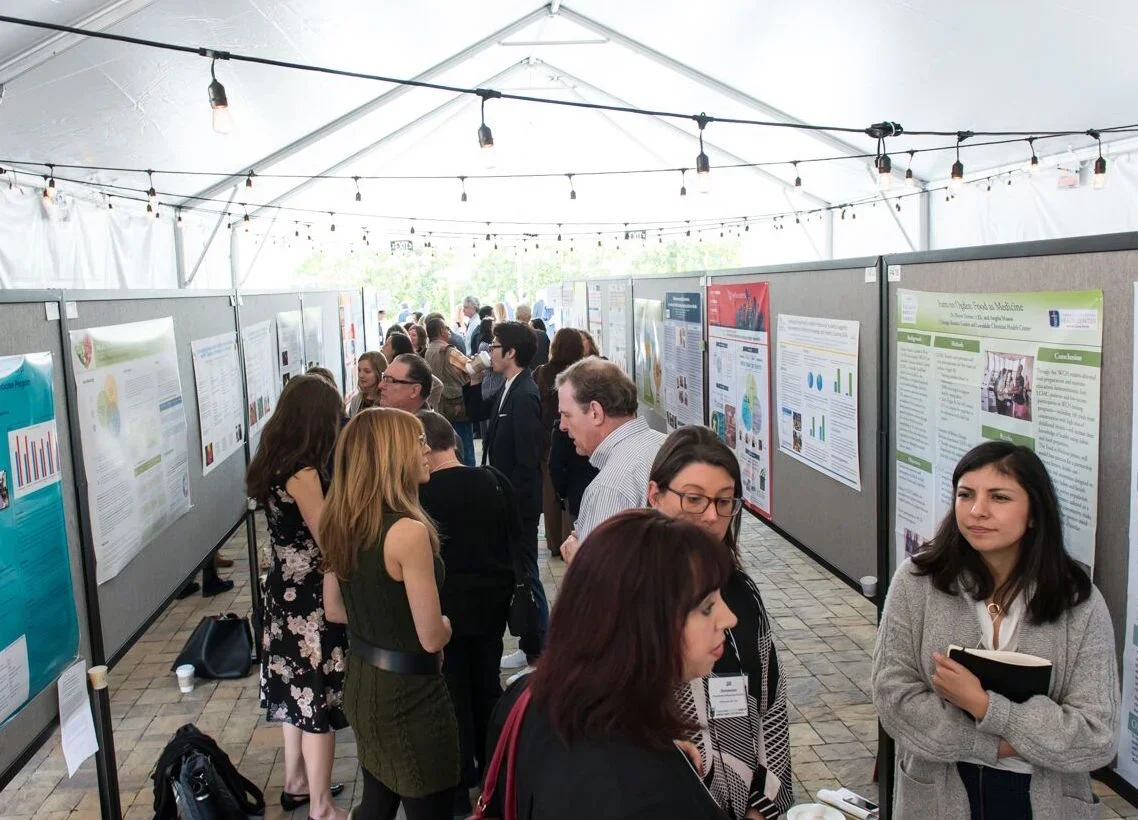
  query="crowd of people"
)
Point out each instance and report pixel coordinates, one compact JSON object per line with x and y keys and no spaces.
{"x":653,"y":688}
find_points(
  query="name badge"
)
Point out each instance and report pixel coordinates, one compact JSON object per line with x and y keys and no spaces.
{"x":728,"y":696}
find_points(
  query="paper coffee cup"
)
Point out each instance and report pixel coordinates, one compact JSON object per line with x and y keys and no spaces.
{"x":869,"y":586}
{"x":185,"y":678}
{"x":98,"y":677}
{"x":484,"y":357}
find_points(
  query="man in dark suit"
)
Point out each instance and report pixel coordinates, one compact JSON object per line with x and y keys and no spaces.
{"x":513,"y":445}
{"x":542,"y":344}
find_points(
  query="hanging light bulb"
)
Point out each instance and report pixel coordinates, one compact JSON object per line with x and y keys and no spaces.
{"x":486,"y":136}
{"x":1033,"y":165}
{"x":572,"y":189}
{"x":219,"y":102}
{"x":1099,"y":179}
{"x":683,"y":182}
{"x":910,"y":180}
{"x":151,"y":195}
{"x":884,"y":167}
{"x":702,"y":163}
{"x":332,"y":220}
{"x":462,"y":180}
{"x":956,"y":179}
{"x":49,"y":185}
{"x":249,"y":180}
{"x":245,"y":219}
{"x":359,"y":194}
{"x":179,"y":220}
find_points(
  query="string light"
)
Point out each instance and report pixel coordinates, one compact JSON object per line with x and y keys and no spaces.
{"x":884,"y":167}
{"x":249,"y":180}
{"x":246,"y":217}
{"x":683,"y":182}
{"x":956,"y":180}
{"x":485,"y":135}
{"x":219,"y":101}
{"x":1099,"y":180}
{"x":702,"y":163}
{"x":572,"y":189}
{"x":462,"y":180}
{"x":49,"y":185}
{"x":332,"y":221}
{"x":910,"y":180}
{"x":1033,"y":164}
{"x":359,"y":194}
{"x":151,"y":195}
{"x":798,"y":190}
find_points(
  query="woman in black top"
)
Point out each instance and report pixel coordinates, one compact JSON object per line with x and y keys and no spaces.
{"x":475,"y":521}
{"x":639,"y":614}
{"x":564,"y":472}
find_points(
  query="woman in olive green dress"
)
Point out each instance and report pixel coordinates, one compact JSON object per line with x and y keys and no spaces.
{"x":384,"y":550}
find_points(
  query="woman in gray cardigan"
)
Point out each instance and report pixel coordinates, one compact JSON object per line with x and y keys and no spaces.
{"x":996,"y":576}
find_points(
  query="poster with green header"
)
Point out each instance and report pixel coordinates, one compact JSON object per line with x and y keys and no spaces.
{"x":1018,"y":367}
{"x":132,"y":422}
{"x":39,"y":632}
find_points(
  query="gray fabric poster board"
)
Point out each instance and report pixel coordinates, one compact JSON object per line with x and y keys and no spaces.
{"x":835,"y":522}
{"x":129,"y":600}
{"x":27,"y":330}
{"x":1106,"y":263}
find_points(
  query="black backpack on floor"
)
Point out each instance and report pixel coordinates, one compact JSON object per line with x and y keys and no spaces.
{"x":195,"y":780}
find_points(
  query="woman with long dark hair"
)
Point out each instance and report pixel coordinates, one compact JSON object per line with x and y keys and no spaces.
{"x":303,"y":654}
{"x":638,"y":615}
{"x":996,"y":576}
{"x":564,"y":472}
{"x":745,"y":756}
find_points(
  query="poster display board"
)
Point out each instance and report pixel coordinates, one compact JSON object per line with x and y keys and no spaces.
{"x":350,"y":341}
{"x":133,"y":429}
{"x":596,"y":323}
{"x":313,"y":337}
{"x":738,"y":330}
{"x":260,"y":377}
{"x":616,"y":324}
{"x":683,"y":358}
{"x":217,"y":377}
{"x":39,"y":632}
{"x":290,"y":350}
{"x":817,"y":389}
{"x":1017,"y":367}
{"x":565,"y":302}
{"x":1127,"y":764}
{"x":649,"y":326}
{"x":373,"y":333}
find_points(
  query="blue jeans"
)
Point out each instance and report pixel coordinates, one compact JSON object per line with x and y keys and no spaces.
{"x":533,"y":644}
{"x":465,"y":431}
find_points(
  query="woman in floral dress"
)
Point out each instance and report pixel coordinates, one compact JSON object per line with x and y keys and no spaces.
{"x":303,"y":642}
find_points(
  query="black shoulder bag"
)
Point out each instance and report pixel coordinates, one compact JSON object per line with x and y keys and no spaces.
{"x":524,"y":607}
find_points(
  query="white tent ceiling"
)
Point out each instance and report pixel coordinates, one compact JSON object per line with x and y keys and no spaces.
{"x":1013,"y":65}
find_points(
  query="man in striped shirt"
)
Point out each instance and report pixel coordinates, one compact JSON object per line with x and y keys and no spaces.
{"x":597,"y":404}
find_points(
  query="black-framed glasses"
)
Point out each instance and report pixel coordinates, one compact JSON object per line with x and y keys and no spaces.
{"x":697,"y":504}
{"x":386,"y":379}
{"x":495,"y":347}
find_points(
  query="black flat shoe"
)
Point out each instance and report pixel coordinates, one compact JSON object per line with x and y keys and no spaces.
{"x":290,"y":802}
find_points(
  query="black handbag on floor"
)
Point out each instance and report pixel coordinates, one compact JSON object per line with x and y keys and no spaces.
{"x":220,"y":647}
{"x":524,"y":608}
{"x":195,"y":780}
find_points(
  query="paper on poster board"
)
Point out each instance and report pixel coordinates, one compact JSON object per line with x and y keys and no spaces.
{"x":76,"y":723}
{"x":683,"y":358}
{"x":217,"y":374}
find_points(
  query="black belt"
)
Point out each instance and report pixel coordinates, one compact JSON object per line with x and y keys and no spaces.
{"x":390,"y":660}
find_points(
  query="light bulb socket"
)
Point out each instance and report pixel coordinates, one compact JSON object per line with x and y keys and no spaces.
{"x":464,"y":196}
{"x":702,"y":164}
{"x":798,"y":183}
{"x":573,"y":194}
{"x":884,"y":166}
{"x":683,"y":190}
{"x":1034,"y":166}
{"x":485,"y":136}
{"x":910,"y":180}
{"x":958,"y":170}
{"x":1100,"y":173}
{"x":217,"y":97}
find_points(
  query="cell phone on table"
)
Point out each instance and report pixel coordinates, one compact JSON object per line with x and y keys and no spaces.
{"x":850,"y":802}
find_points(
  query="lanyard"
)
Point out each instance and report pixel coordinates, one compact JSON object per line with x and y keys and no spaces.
{"x":711,"y":721}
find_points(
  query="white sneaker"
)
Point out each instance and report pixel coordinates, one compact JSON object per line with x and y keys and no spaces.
{"x":518,"y":675}
{"x":515,"y":660}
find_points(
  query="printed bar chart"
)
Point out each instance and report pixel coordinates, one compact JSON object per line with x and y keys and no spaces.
{"x":35,"y":457}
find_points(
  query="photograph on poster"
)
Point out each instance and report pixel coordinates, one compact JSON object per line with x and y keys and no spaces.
{"x":1007,"y":385}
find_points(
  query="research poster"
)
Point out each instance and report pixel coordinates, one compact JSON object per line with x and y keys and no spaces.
{"x":290,"y":346}
{"x":683,"y":359}
{"x":260,"y":377}
{"x":817,"y":386}
{"x":597,"y":316}
{"x":565,"y":300}
{"x":648,"y":331}
{"x":1017,"y":367}
{"x":616,"y":325}
{"x":350,"y":344}
{"x":217,"y":376}
{"x":314,"y":337}
{"x":1127,"y":765}
{"x":738,"y":340}
{"x":133,"y":428}
{"x":373,"y":333}
{"x":39,"y":632}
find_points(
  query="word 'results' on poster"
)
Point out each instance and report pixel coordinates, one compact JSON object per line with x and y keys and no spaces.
{"x":217,"y":378}
{"x":738,"y":340}
{"x":683,"y":359}
{"x":648,"y":321}
{"x":1127,"y":764}
{"x":260,"y":377}
{"x":314,"y":336}
{"x":290,"y":346}
{"x":616,"y":325}
{"x":817,"y":384}
{"x":1023,"y":368}
{"x":133,"y":427}
{"x":39,"y":632}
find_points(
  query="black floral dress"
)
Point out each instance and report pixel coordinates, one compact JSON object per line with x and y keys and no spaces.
{"x":303,"y":658}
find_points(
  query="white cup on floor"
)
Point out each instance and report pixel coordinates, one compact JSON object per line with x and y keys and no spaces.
{"x":185,"y":674}
{"x":869,"y":586}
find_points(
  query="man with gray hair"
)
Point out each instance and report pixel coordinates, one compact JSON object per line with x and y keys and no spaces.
{"x":470,"y":307}
{"x":597,"y":405}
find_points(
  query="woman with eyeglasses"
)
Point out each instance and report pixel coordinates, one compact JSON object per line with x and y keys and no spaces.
{"x":745,"y":752}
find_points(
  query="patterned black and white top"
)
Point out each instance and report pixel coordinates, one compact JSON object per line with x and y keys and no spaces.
{"x":746,"y":760}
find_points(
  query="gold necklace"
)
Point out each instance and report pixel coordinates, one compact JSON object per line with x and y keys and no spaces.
{"x":994,"y":609}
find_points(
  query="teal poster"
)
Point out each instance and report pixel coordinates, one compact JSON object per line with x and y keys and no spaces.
{"x":39,"y":633}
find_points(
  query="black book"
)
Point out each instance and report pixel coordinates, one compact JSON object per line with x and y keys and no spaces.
{"x":1015,"y":675}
